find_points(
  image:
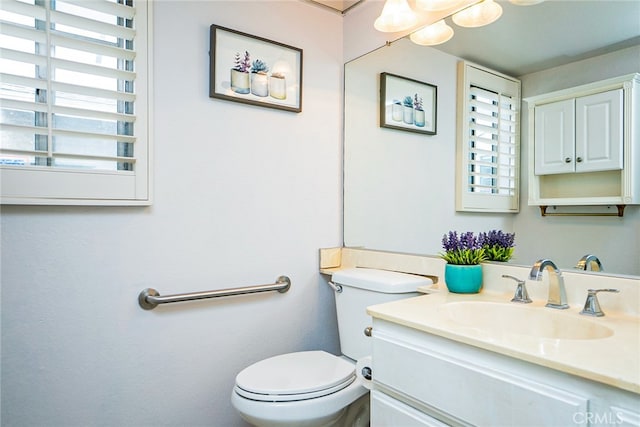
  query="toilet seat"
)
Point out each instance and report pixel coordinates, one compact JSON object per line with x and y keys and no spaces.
{"x":295,"y":376}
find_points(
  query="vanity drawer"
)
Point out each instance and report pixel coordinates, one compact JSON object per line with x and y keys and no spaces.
{"x":469,"y":391}
{"x":387,"y":411}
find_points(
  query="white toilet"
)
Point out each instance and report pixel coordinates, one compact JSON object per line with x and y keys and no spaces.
{"x":315,"y":388}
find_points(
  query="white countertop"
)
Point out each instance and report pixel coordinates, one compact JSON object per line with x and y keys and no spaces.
{"x":612,"y":360}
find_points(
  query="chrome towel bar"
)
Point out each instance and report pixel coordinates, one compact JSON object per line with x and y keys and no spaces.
{"x":149,"y":298}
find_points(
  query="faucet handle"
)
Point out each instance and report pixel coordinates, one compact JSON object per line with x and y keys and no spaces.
{"x":521,"y":295}
{"x":591,"y":305}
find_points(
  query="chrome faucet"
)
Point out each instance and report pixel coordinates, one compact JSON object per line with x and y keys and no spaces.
{"x":592,"y":306}
{"x":557,"y":295}
{"x":589,"y":260}
{"x":521,"y":295}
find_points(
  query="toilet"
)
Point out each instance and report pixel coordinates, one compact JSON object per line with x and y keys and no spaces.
{"x":316,"y":388}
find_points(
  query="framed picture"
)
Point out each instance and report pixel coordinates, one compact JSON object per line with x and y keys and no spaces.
{"x":407,"y":104}
{"x":254,"y":70}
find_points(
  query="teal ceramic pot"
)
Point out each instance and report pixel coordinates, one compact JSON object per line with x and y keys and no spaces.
{"x":463,"y":279}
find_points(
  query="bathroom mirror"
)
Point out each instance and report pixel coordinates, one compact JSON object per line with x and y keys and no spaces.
{"x":399,"y":187}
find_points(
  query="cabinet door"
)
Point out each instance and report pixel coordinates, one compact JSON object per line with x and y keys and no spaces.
{"x":621,"y":417}
{"x":554,"y":146}
{"x":389,"y":412}
{"x":599,"y":132}
{"x":474,"y":394}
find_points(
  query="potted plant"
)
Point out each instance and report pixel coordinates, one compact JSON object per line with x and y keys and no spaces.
{"x":463,"y":253}
{"x":407,"y":116}
{"x":498,"y":246}
{"x":419,"y":113}
{"x":259,"y":78}
{"x":278,"y":85}
{"x":396,"y":111}
{"x":240,"y":73}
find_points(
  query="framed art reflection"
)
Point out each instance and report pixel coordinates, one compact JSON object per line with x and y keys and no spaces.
{"x":407,"y":104}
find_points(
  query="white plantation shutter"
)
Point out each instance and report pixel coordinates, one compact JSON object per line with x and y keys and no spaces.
{"x":488,"y":141}
{"x":492,"y":142}
{"x":74,"y":101}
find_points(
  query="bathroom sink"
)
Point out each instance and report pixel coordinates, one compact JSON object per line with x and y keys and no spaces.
{"x":539,"y":322}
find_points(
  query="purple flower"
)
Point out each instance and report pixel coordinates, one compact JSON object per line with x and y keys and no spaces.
{"x":466,"y":248}
{"x":497,"y":238}
{"x":242,"y":63}
{"x":469,"y":241}
{"x":498,"y":245}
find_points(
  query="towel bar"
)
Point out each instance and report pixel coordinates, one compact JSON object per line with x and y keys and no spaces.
{"x":149,"y":298}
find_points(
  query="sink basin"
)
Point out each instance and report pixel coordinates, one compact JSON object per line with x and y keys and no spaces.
{"x":504,"y":318}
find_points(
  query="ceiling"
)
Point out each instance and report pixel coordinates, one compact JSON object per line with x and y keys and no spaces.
{"x":339,"y":5}
{"x":549,"y":34}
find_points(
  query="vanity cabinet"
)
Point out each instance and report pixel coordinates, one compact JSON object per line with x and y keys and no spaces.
{"x":584,"y":144}
{"x":387,"y":411}
{"x":422,"y":379}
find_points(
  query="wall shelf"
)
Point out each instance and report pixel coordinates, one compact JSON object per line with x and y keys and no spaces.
{"x":619,"y":212}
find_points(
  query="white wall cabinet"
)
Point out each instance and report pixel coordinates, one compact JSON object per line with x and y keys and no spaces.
{"x":579,"y":134}
{"x":584,"y":144}
{"x":422,"y":379}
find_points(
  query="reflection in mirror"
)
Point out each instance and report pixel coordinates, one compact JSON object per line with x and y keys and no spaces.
{"x":399,"y":187}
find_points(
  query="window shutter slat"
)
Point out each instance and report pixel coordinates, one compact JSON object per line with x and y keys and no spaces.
{"x":93,"y":70}
{"x":92,"y":47}
{"x":22,"y":32}
{"x":94,"y":114}
{"x":21,"y":81}
{"x":92,"y":135}
{"x":107,"y":7}
{"x":91,"y":91}
{"x":81,"y":23}
{"x":19,"y":56}
{"x":24,"y":9}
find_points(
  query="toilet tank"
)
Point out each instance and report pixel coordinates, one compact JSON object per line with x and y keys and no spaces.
{"x":362,"y":287}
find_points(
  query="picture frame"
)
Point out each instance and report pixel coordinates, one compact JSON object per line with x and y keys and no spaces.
{"x":408,"y":104}
{"x":253,"y":70}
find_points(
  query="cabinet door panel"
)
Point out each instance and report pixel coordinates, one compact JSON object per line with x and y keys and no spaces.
{"x":389,"y":412}
{"x":599,"y":132}
{"x":476,"y":394}
{"x":555,"y":138}
{"x":621,"y":417}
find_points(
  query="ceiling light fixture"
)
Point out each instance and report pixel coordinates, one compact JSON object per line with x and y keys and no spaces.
{"x":398,"y":16}
{"x":433,"y":34}
{"x":478,"y":15}
{"x":433,"y":5}
{"x":525,"y":2}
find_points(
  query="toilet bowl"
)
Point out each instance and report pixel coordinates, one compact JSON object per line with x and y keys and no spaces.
{"x":304,"y":389}
{"x":315,"y":388}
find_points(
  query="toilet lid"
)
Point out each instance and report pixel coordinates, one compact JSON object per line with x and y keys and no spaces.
{"x":295,"y":376}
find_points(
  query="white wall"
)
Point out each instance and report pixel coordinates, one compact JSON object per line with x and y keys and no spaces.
{"x":242,"y":195}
